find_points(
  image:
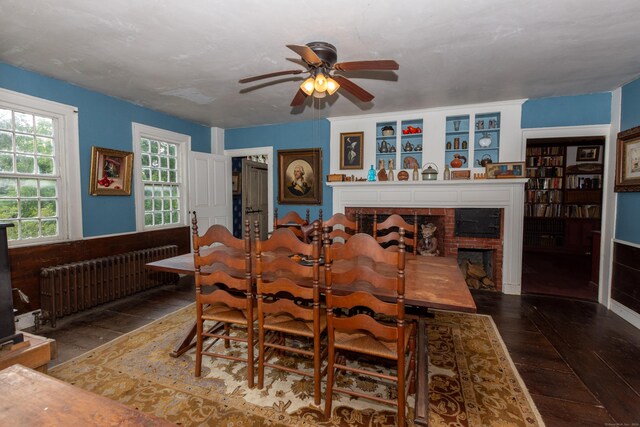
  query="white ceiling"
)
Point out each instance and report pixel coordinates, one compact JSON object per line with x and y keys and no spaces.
{"x":185,"y":57}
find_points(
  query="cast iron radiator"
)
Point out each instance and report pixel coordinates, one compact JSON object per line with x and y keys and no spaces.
{"x":69,"y":288}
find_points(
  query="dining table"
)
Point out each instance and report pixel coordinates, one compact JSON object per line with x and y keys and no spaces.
{"x":431,"y":283}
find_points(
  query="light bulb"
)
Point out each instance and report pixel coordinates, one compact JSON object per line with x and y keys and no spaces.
{"x":321,"y":83}
{"x":307,"y":86}
{"x":332,"y":86}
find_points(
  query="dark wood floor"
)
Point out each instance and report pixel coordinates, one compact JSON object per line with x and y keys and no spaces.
{"x":578,"y":360}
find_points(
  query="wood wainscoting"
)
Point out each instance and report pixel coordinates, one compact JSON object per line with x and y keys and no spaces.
{"x":625,"y":282}
{"x":26,"y":261}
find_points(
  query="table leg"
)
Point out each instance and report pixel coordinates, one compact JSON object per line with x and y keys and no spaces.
{"x":186,"y":343}
{"x":421,"y":413}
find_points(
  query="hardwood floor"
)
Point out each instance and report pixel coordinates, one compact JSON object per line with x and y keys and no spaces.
{"x":578,"y":360}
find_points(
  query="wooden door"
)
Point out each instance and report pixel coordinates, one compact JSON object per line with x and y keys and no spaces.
{"x":255,"y":195}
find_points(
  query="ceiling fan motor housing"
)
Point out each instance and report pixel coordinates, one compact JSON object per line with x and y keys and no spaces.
{"x":325,"y":51}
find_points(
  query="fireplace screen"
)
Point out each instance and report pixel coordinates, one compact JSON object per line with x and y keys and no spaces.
{"x":478,"y":222}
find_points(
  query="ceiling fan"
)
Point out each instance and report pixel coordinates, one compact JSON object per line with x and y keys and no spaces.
{"x":325,"y":74}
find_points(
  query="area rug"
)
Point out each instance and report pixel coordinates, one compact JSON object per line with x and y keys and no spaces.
{"x":472,"y":381}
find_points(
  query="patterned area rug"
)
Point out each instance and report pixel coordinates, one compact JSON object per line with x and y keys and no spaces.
{"x":472,"y":381}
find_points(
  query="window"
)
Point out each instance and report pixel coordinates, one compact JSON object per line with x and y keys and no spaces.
{"x":161,"y":174}
{"x":35,"y":136}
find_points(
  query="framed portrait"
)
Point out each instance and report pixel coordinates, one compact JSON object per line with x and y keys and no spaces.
{"x":351,"y":150}
{"x":110,"y":172}
{"x":236,"y":183}
{"x":628,"y":161}
{"x":505,"y":170}
{"x":586,"y":154}
{"x":300,"y":177}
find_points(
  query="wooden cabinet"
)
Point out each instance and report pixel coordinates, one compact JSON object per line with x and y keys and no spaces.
{"x":563,"y":196}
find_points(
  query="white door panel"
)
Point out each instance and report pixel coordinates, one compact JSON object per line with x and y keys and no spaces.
{"x":210,"y":189}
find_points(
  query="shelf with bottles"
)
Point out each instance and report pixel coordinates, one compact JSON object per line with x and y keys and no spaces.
{"x":583,"y":182}
{"x":457,"y":138}
{"x":386,"y":142}
{"x":411,"y":143}
{"x":487,"y":137}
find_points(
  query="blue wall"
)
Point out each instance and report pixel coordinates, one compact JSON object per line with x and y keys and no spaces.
{"x":309,"y":134}
{"x":627,"y":224}
{"x":103,"y":121}
{"x":580,"y":110}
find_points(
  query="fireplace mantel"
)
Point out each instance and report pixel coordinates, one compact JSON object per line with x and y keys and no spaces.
{"x":507,"y":194}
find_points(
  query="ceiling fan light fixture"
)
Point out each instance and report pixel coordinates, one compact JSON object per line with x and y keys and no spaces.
{"x":320,"y":84}
{"x":307,"y":86}
{"x":332,"y":86}
{"x":317,"y":94}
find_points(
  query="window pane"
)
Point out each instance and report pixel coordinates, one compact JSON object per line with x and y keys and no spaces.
{"x":164,"y":176}
{"x":144,"y":145}
{"x":157,"y":204}
{"x":146,"y":175}
{"x":167,"y":217}
{"x":175,"y":204}
{"x":6,"y":163}
{"x":148,"y":191}
{"x":172,"y":163}
{"x":44,"y":145}
{"x":25,"y":164}
{"x":45,"y":165}
{"x":164,"y":162}
{"x":148,"y":205}
{"x":13,"y":232}
{"x":153,"y":147}
{"x":166,"y":204}
{"x":6,"y":119}
{"x":44,"y":126}
{"x":49,"y":227}
{"x":5,"y":141}
{"x":8,"y":209}
{"x":145,"y":160}
{"x":25,"y":144}
{"x":8,"y":187}
{"x":28,"y":208}
{"x":155,"y":175}
{"x":48,"y":208}
{"x":175,"y":217}
{"x":166,"y":191}
{"x":28,"y":188}
{"x":172,"y":176}
{"x":175,"y":191}
{"x":29,"y":229}
{"x":148,"y":219}
{"x":173,"y":150}
{"x":157,"y":218}
{"x":24,"y":122}
{"x":48,"y":188}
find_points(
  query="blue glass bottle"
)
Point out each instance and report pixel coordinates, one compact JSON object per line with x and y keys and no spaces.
{"x":372,"y":174}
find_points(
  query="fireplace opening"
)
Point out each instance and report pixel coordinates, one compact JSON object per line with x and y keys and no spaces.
{"x":477,"y":266}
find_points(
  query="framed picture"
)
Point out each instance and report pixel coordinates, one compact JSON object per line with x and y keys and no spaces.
{"x":351,"y":150}
{"x":236,"y":183}
{"x":300,"y":176}
{"x":110,"y":172}
{"x":505,"y":170}
{"x":628,"y":161}
{"x":586,"y":154}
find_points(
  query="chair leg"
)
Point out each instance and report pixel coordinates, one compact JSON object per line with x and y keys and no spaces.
{"x":261,"y":351}
{"x":250,"y":354}
{"x":330,"y":378}
{"x":316,"y":369}
{"x":199,"y":327}
{"x":227,"y":331}
{"x":402,"y":398}
{"x":412,"y":364}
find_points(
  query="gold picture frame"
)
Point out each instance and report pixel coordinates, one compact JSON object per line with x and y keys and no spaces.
{"x":110,"y":173}
{"x":300,"y":177}
{"x":628,"y":161}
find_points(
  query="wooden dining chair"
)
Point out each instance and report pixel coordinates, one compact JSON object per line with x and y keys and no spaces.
{"x":291,"y":220}
{"x":355,"y":273}
{"x":224,"y":295}
{"x":290,"y":319}
{"x":341,"y":227}
{"x":390,"y":231}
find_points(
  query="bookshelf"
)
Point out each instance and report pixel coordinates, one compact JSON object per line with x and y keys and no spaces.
{"x":563,"y":196}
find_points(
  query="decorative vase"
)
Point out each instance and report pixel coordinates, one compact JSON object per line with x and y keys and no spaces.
{"x":458,"y":161}
{"x":372,"y":174}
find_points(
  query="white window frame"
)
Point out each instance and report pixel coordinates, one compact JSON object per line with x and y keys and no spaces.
{"x":67,"y":160}
{"x":184,"y":147}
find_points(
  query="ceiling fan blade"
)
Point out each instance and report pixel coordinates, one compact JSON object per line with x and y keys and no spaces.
{"x":381,"y":64}
{"x":266,"y":76}
{"x":299,"y":98}
{"x":306,"y":53}
{"x":353,"y":88}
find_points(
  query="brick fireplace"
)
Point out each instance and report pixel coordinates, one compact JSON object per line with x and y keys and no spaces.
{"x":438,"y":200}
{"x":448,"y":243}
